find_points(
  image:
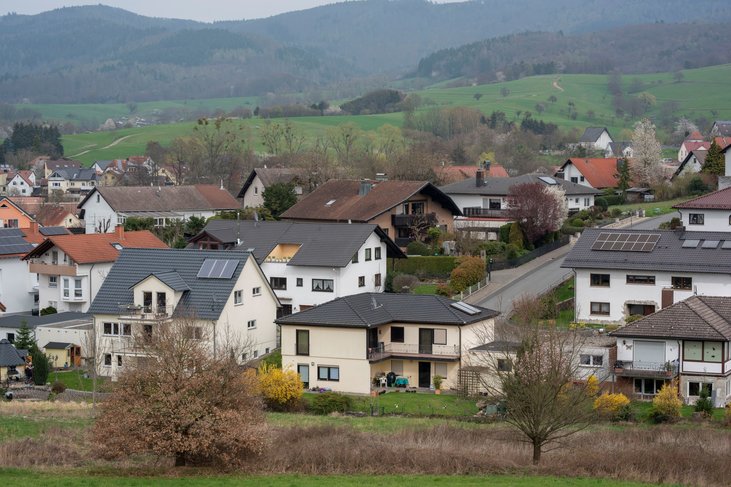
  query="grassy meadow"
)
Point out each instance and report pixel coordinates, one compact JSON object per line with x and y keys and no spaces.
{"x":702,"y":92}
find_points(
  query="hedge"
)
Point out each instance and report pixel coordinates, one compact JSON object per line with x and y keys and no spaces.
{"x":432,"y":266}
{"x":613,"y":199}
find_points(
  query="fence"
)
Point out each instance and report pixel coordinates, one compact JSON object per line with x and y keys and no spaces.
{"x":471,"y":290}
{"x":542,"y":250}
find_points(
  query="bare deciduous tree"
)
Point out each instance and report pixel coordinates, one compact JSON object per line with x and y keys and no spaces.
{"x":647,"y":154}
{"x":538,"y":209}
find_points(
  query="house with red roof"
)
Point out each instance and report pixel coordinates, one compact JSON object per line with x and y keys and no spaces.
{"x":72,"y":268}
{"x":708,"y":213}
{"x":597,"y":173}
{"x":448,"y":173}
{"x":694,"y":142}
{"x":21,"y":183}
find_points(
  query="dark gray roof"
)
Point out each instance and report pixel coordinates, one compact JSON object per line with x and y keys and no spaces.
{"x":591,"y":134}
{"x":498,"y":346}
{"x":12,"y":241}
{"x":322,"y":244}
{"x":700,"y":155}
{"x":373,"y":309}
{"x":206,"y":297}
{"x":696,"y":318}
{"x":667,"y":255}
{"x":9,"y":356}
{"x":16,"y":321}
{"x":48,"y":231}
{"x":76,"y":174}
{"x":272,"y":175}
{"x":619,"y":147}
{"x":501,"y":186}
{"x":58,"y":345}
{"x":171,"y":279}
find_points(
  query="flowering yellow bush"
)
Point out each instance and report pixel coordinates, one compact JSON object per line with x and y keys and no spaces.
{"x":666,"y":405}
{"x":610,"y":404}
{"x":592,"y":385}
{"x":281,"y":388}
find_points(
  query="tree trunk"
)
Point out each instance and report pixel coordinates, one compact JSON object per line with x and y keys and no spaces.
{"x":536,"y":453}
{"x":179,"y":459}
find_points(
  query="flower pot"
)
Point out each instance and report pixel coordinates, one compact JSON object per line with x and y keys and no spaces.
{"x":437,"y":391}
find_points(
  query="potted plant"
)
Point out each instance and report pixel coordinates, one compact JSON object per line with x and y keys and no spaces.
{"x":437,"y":381}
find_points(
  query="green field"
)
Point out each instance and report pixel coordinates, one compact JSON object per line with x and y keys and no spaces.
{"x":703,"y":92}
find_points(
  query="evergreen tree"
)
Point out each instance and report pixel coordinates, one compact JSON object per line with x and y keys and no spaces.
{"x":279,"y":197}
{"x":624,"y":177}
{"x":24,"y":339}
{"x":715,"y":163}
{"x":41,"y":367}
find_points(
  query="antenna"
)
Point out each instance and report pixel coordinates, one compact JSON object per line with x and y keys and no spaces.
{"x":374,"y":303}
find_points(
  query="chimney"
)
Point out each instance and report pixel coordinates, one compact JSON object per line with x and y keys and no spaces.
{"x":480,"y":178}
{"x":34,"y":228}
{"x":119,"y":232}
{"x":365,"y":187}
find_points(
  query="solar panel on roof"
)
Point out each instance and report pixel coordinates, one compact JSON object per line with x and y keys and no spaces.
{"x":626,"y":242}
{"x":690,"y":244}
{"x":217,"y":269}
{"x":726,"y":244}
{"x":229,"y":269}
{"x":710,"y":244}
{"x":465,"y":308}
{"x":205,"y":270}
{"x":548,"y":180}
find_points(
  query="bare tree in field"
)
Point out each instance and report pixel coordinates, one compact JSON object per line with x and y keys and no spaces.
{"x":647,"y":154}
{"x":538,"y":209}
{"x":534,"y":380}
{"x":184,"y":401}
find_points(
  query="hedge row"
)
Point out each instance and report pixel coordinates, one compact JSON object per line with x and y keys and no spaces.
{"x":432,"y":266}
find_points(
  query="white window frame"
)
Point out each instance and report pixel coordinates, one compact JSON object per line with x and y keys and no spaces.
{"x":590,"y":360}
{"x":251,"y":325}
{"x":66,"y":288}
{"x":256,"y":291}
{"x":238,"y":297}
{"x":53,"y":281}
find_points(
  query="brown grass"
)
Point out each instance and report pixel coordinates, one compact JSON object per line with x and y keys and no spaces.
{"x":659,"y":454}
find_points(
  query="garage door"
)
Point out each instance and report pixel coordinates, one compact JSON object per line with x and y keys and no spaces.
{"x":649,"y":352}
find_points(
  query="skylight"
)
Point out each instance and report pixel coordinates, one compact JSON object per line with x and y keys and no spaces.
{"x":330,"y":203}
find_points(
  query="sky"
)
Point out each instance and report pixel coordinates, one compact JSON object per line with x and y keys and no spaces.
{"x":202,"y":10}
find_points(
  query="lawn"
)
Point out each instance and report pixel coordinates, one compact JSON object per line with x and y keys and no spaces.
{"x":642,"y":410}
{"x":427,"y":288}
{"x":413,"y":404}
{"x":653,"y":208}
{"x":74,"y":379}
{"x":31,"y":427}
{"x":373,"y":424}
{"x":25,"y":477}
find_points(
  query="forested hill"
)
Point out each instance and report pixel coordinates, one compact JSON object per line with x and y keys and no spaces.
{"x":630,"y":49}
{"x":102,"y":54}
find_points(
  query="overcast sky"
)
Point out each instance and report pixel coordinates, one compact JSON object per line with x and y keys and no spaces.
{"x":203,"y":10}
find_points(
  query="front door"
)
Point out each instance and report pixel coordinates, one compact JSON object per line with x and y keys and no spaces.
{"x":426,"y":338}
{"x":304,"y":372}
{"x":424,"y":374}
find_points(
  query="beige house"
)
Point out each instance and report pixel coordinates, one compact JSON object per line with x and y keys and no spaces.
{"x":12,"y":362}
{"x":353,"y":343}
{"x":224,"y":294}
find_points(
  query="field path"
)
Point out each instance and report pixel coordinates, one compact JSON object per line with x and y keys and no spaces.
{"x":556,"y":85}
{"x":117,"y":141}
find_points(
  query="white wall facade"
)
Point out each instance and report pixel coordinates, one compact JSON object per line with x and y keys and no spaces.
{"x":619,"y":294}
{"x":78,"y":334}
{"x":574,"y":202}
{"x":713,"y":220}
{"x":18,"y":286}
{"x":571,"y":173}
{"x":603,"y":141}
{"x":99,"y":215}
{"x":254,"y":196}
{"x":19,"y":187}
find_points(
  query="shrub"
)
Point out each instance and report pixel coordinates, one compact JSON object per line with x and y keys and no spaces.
{"x":704,"y":404}
{"x":512,"y":252}
{"x":666,"y":405}
{"x":58,"y":387}
{"x":577,"y":222}
{"x":404,"y":283}
{"x":613,"y":199}
{"x":516,"y":235}
{"x":727,"y":415}
{"x":330,"y":402}
{"x":592,"y":386}
{"x":601,"y":203}
{"x":632,"y":318}
{"x":615,"y":212}
{"x":505,"y":233}
{"x":417,"y":248}
{"x":48,"y":311}
{"x":493,"y":247}
{"x":274,"y":359}
{"x":470,"y":270}
{"x":41,"y":367}
{"x":444,"y":290}
{"x":281,"y":388}
{"x":610,"y":405}
{"x":432,"y":266}
{"x":675,"y":223}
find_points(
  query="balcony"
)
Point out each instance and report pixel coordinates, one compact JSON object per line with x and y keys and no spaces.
{"x":145,"y":313}
{"x":478,"y":212}
{"x":413,"y":221}
{"x":52,"y":269}
{"x":658,"y":370}
{"x":412,"y":350}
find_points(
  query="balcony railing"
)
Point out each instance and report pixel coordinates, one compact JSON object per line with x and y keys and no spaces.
{"x":385,"y":350}
{"x":145,"y":313}
{"x":52,"y":269}
{"x":478,"y":212}
{"x":404,"y":220}
{"x":646,"y":369}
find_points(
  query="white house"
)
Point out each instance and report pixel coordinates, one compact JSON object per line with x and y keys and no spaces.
{"x":694,"y":142}
{"x":70,"y":328}
{"x":72,"y":268}
{"x":707,"y":213}
{"x":308,"y":264}
{"x":622,"y":149}
{"x":636,"y":272}
{"x":21,"y":183}
{"x":596,"y":138}
{"x":260,"y":178}
{"x":18,"y":286}
{"x":105,"y":207}
{"x":352,"y":343}
{"x":688,"y":340}
{"x":73,"y":181}
{"x":224,"y":293}
{"x":692,"y":163}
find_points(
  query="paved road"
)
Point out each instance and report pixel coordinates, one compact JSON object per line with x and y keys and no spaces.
{"x":548,"y":275}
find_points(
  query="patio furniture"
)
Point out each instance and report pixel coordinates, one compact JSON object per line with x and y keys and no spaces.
{"x":402,"y":382}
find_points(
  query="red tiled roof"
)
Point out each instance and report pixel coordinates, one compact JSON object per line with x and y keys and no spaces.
{"x":166,"y":198}
{"x":97,"y":247}
{"x":718,"y":200}
{"x":695,"y":135}
{"x":600,"y":172}
{"x":452,"y":174}
{"x":55,"y":215}
{"x":693,"y":146}
{"x":723,"y":142}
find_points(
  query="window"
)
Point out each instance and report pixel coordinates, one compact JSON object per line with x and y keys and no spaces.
{"x":238,"y":297}
{"x":631,"y":279}
{"x":256,"y":353}
{"x":126,"y":329}
{"x":279,"y":283}
{"x":11,"y":337}
{"x":599,"y":308}
{"x":600,"y":280}
{"x":576,"y":200}
{"x":355,"y":258}
{"x":581,"y":178}
{"x":504,"y":365}
{"x":695,"y":218}
{"x":256,"y":291}
{"x":256,"y":189}
{"x":161,"y":302}
{"x":574,"y":180}
{"x":147,"y":301}
{"x":54,"y":257}
{"x":440,"y":336}
{"x":77,"y":288}
{"x":591,"y":360}
{"x":586,"y":201}
{"x":244,"y":356}
{"x":694,"y":388}
{"x":302,"y":342}
{"x":328,"y":373}
{"x":119,"y":360}
{"x":702,"y":351}
{"x":397,"y":334}
{"x":267,"y":350}
{"x":440,"y":369}
{"x":300,"y":282}
{"x":108,"y":359}
{"x":377,"y":280}
{"x":193,"y":333}
{"x":13,"y":222}
{"x":361,"y":281}
{"x":147,"y":332}
{"x":377,"y":253}
{"x":322,"y":285}
{"x":494,"y":204}
{"x":648,"y":386}
{"x":52,"y":281}
{"x":685,"y":283}
{"x":693,"y":351}
{"x":367,"y":254}
{"x":107,"y":328}
{"x":97,"y":198}
{"x":66,"y":287}
{"x":251,"y":324}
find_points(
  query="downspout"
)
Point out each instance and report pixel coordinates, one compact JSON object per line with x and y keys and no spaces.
{"x":91,"y":273}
